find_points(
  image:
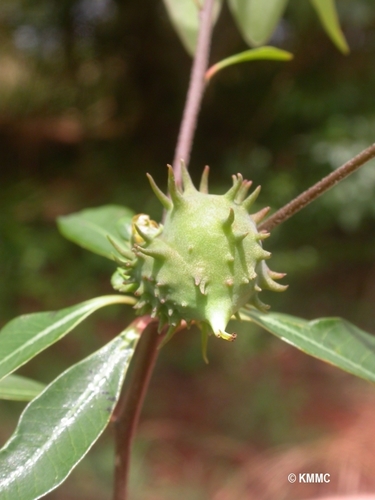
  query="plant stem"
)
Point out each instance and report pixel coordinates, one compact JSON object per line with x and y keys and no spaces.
{"x":144,"y":358}
{"x":318,"y":189}
{"x":131,"y":401}
{"x":195,"y":92}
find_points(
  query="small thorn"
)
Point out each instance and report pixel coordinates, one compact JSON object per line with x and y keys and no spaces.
{"x":140,"y":304}
{"x":245,"y":280}
{"x":162,"y":301}
{"x":263,"y":235}
{"x":257,"y":288}
{"x":266,"y":281}
{"x":276,"y":276}
{"x":140,"y":290}
{"x":170,"y":312}
{"x":145,"y":277}
{"x":252,"y":274}
{"x":229,"y":282}
{"x":186,"y":179}
{"x":258,"y":216}
{"x":241,"y":195}
{"x":229,"y":220}
{"x":154,"y":312}
{"x":170,"y":332}
{"x":175,"y":194}
{"x":119,"y":261}
{"x":256,"y":302}
{"x":197,"y":280}
{"x":230,"y":337}
{"x":125,"y":253}
{"x":190,"y":248}
{"x":240,"y":237}
{"x":232,"y":193}
{"x":264,"y":255}
{"x":163,"y":198}
{"x":151,"y":252}
{"x":237,"y":178}
{"x":184,"y":304}
{"x":249,"y":201}
{"x":202,"y":287}
{"x":276,"y":287}
{"x":230,"y":259}
{"x":203,"y":187}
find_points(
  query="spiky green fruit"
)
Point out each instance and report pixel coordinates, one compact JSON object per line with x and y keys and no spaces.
{"x":205,"y":263}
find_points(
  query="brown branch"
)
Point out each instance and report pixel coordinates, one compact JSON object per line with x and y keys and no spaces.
{"x":318,"y":189}
{"x":144,"y":359}
{"x":131,"y":400}
{"x":195,"y":92}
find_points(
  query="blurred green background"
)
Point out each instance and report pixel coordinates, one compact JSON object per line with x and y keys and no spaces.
{"x":91,"y":96}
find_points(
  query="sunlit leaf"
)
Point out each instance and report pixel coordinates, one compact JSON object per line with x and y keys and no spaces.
{"x":333,"y":340}
{"x":58,"y":428}
{"x":17,"y":388}
{"x":271,"y":53}
{"x":184,"y":15}
{"x":24,"y":337}
{"x":257,"y":19}
{"x":90,"y":228}
{"x":326,"y":10}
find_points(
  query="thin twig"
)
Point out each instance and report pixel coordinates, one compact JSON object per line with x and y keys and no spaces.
{"x":131,"y":401}
{"x":318,"y":189}
{"x":195,"y":91}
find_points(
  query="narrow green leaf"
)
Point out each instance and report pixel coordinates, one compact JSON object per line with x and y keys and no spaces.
{"x":257,"y":19}
{"x":24,"y":337}
{"x":326,"y":10}
{"x":17,"y":388}
{"x":58,"y":428}
{"x":90,"y":228}
{"x":184,"y":16}
{"x":333,"y":340}
{"x":271,"y":53}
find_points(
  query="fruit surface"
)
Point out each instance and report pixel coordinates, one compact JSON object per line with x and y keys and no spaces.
{"x":204,"y":264}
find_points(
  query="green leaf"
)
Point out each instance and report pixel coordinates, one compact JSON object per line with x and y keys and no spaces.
{"x":57,"y":429}
{"x":326,"y":10}
{"x":184,"y":15}
{"x":271,"y":53}
{"x":90,"y":228}
{"x":257,"y":19}
{"x":17,"y":388}
{"x":333,"y":340}
{"x":24,"y":337}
